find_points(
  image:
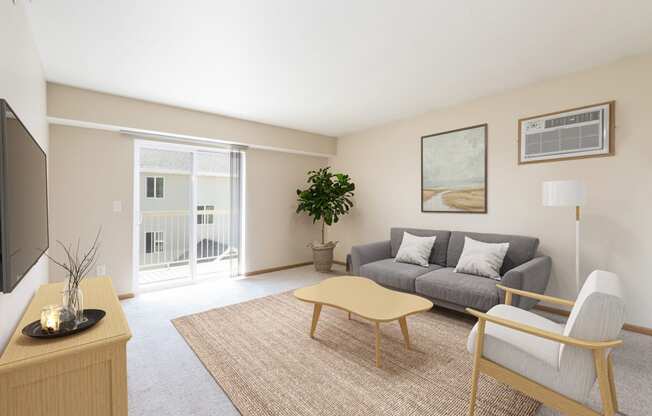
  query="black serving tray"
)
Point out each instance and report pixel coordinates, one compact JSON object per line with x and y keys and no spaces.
{"x":92,"y":316}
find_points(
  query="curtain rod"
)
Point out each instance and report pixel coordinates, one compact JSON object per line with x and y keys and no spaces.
{"x":179,"y":137}
{"x":185,"y":139}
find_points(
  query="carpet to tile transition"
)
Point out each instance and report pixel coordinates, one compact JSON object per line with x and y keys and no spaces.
{"x":261,"y":354}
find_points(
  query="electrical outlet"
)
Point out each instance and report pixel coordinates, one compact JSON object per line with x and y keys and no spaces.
{"x":101,"y":270}
{"x":117,"y":206}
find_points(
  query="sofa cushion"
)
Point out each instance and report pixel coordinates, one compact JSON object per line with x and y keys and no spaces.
{"x":415,"y":250}
{"x":458,"y":288}
{"x":482,"y":259}
{"x":439,"y":250}
{"x":521,"y":248}
{"x":399,"y":276}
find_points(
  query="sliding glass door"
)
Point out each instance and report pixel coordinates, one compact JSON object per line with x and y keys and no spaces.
{"x":188,"y":213}
{"x":217,"y":250}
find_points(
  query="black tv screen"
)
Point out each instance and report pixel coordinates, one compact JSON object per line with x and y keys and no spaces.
{"x":24,"y":201}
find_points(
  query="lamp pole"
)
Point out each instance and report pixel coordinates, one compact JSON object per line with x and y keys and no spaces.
{"x":577,"y":247}
{"x":568,"y":193}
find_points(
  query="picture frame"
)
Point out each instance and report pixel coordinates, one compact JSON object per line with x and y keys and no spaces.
{"x":454,"y":171}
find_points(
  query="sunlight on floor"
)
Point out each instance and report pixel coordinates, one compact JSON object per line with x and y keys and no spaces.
{"x":206,"y":269}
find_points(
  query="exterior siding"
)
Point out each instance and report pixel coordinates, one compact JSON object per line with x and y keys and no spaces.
{"x":171,"y":215}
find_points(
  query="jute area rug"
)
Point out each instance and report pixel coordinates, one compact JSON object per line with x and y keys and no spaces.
{"x":261,"y":354}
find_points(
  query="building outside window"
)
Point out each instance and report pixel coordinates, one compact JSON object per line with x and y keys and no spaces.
{"x":205,"y":217}
{"x":155,"y":185}
{"x":154,"y":242}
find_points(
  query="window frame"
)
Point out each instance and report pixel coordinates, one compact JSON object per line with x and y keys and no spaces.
{"x":202,"y":217}
{"x":157,"y":240}
{"x":156,"y":187}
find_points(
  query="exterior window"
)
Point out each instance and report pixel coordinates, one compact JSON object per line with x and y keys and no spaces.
{"x":155,"y":185}
{"x":154,"y":242}
{"x":204,"y":217}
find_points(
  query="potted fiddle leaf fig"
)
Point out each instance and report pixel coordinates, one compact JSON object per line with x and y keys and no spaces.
{"x":326,"y":199}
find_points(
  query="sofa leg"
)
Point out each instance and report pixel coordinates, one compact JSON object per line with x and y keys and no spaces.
{"x":601,"y":368}
{"x":475,"y":375}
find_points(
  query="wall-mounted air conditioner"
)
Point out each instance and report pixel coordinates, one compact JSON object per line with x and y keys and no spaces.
{"x":577,"y":133}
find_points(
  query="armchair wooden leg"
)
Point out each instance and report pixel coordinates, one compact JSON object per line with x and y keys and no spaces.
{"x":477,"y":355}
{"x":602,"y":371}
{"x":612,"y":382}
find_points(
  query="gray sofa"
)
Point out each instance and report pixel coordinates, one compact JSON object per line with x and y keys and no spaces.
{"x":521,"y":269}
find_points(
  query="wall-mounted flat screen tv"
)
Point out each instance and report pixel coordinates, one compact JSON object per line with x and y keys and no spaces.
{"x":23,"y":199}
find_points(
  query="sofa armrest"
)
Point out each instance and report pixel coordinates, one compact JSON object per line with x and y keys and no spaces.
{"x":531,"y":276}
{"x":367,"y":253}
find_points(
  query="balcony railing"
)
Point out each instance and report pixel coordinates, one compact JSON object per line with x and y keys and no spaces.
{"x":165,"y":237}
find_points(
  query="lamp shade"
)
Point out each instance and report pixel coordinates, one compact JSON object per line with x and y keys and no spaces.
{"x":563,"y":193}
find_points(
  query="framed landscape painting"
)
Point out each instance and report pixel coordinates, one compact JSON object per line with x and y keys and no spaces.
{"x":454,"y":171}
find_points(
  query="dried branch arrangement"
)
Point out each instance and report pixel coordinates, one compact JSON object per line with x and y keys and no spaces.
{"x":78,"y":265}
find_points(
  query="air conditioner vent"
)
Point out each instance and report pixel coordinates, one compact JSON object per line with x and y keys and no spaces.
{"x":568,"y":120}
{"x":573,"y":133}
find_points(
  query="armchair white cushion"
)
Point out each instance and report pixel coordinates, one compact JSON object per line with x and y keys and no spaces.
{"x":598,"y":315}
{"x":531,"y":356}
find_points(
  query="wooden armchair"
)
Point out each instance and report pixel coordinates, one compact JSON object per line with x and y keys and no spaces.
{"x":556,"y":364}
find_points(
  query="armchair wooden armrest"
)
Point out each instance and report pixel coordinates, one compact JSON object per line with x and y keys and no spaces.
{"x":592,"y":345}
{"x":511,"y":291}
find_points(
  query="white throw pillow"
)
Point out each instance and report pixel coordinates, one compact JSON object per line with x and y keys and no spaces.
{"x":415,"y":250}
{"x":482,"y":259}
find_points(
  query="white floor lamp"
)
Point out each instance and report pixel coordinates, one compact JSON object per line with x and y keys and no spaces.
{"x":567,"y":194}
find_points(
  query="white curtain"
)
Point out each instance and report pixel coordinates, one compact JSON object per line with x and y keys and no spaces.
{"x":235,"y":228}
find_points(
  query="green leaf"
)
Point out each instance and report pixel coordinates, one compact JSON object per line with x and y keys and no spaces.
{"x":328,"y":195}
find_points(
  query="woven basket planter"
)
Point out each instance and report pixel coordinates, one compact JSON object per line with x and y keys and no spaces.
{"x":322,"y":255}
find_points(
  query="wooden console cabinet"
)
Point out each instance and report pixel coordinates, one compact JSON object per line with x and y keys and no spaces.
{"x":81,"y":375}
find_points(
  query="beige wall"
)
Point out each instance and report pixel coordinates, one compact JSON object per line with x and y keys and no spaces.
{"x":275,"y":234}
{"x":385,"y":164}
{"x":94,"y":107}
{"x":22,"y":84}
{"x":91,"y":168}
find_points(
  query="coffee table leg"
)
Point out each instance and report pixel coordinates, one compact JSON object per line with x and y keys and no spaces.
{"x":404,"y":329}
{"x":349,"y":315}
{"x":315,"y":318}
{"x":378,"y":344}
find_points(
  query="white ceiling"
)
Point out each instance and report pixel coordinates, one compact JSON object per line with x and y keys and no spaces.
{"x":327,"y":66}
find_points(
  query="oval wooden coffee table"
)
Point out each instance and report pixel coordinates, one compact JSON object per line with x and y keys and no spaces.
{"x":364,"y":298}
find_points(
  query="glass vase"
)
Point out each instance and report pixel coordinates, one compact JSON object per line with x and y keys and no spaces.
{"x":73,"y":301}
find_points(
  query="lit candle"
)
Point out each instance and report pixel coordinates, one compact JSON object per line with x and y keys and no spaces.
{"x":51,"y":318}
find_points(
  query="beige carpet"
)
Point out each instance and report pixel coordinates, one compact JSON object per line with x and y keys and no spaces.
{"x":262,"y":356}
